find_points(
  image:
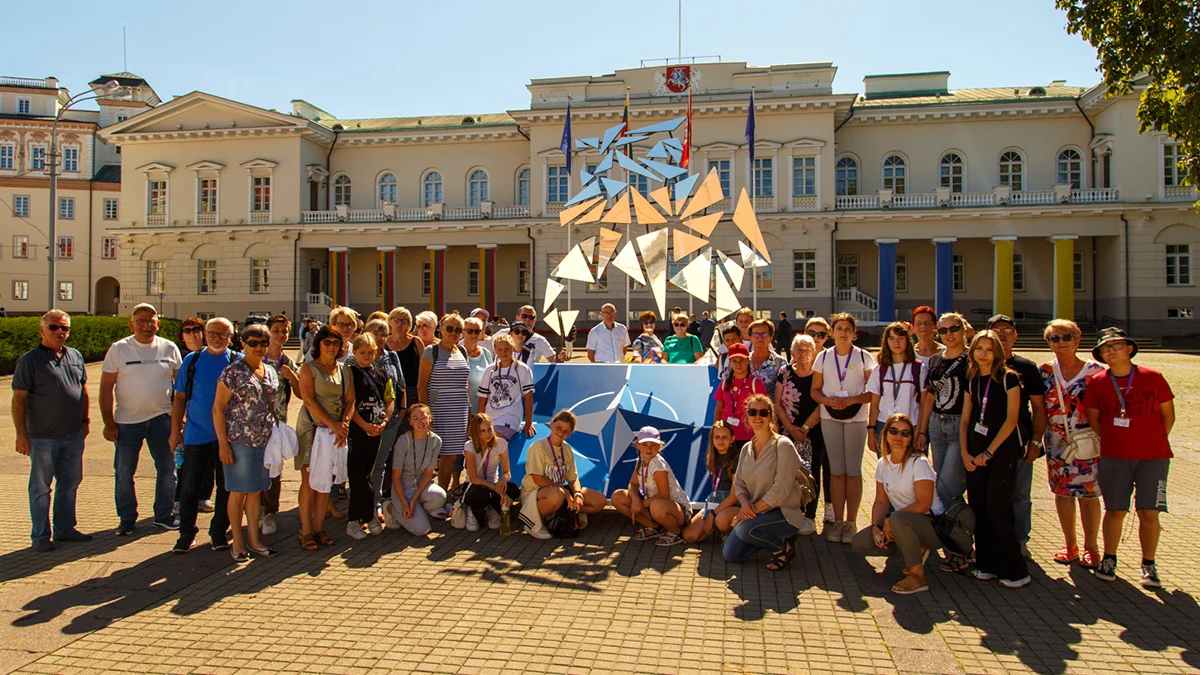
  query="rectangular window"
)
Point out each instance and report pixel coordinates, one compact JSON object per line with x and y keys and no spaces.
{"x":20,"y":290}
{"x":722,"y":167}
{"x":7,"y":154}
{"x":66,"y":207}
{"x":1179,"y":312}
{"x":156,"y":277}
{"x":66,"y":290}
{"x":764,"y":180}
{"x":557,"y":184}
{"x":804,"y":176}
{"x":901,"y":273}
{"x":1171,"y":172}
{"x":846,"y":177}
{"x":122,"y":118}
{"x":958,"y":273}
{"x":262,"y":194}
{"x":37,"y":158}
{"x":1179,"y":265}
{"x":208,"y":277}
{"x":111,"y":209}
{"x":426,"y":281}
{"x":24,"y":106}
{"x":157,"y":194}
{"x":473,"y":277}
{"x":804,"y":314}
{"x":109,"y":248}
{"x":1078,"y":271}
{"x":640,"y":183}
{"x":764,"y":280}
{"x":523,"y":188}
{"x":259,"y":275}
{"x":66,"y":247}
{"x":20,"y":246}
{"x":847,"y":272}
{"x":70,"y":160}
{"x":21,"y":206}
{"x":1018,"y":272}
{"x":208,"y":196}
{"x":523,"y":278}
{"x":804,"y":270}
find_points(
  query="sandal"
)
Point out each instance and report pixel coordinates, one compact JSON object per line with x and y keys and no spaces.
{"x":669,"y":539}
{"x":332,"y":512}
{"x":910,"y":584}
{"x":322,"y":538}
{"x":1090,"y":560}
{"x":781,"y":558}
{"x":308,"y":542}
{"x":955,"y":563}
{"x":1067,"y":555}
{"x":647,"y":533}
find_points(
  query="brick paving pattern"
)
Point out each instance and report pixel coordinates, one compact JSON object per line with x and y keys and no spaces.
{"x":464,"y":602}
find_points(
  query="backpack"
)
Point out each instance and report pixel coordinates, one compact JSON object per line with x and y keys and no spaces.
{"x":437,"y":349}
{"x":190,"y":372}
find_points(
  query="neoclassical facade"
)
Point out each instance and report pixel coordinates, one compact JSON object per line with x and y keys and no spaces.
{"x":1040,"y":200}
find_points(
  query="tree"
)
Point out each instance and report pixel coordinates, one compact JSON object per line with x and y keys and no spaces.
{"x":1153,"y":44}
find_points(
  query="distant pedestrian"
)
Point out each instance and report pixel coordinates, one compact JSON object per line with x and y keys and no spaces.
{"x":707,"y":328}
{"x":783,"y":334}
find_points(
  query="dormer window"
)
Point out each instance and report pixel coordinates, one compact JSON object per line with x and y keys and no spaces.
{"x":1037,"y":91}
{"x":24,"y":106}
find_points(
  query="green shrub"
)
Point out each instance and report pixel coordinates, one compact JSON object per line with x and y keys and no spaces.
{"x":91,"y":335}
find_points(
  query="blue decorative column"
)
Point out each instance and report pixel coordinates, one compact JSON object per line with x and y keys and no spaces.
{"x":944,"y":280}
{"x":887,"y":279}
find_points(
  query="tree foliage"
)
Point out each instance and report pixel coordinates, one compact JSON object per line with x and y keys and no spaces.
{"x":1153,"y":44}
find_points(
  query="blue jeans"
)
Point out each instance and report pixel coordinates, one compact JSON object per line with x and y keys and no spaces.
{"x":947,"y":457}
{"x":155,"y":432}
{"x":1023,"y":500}
{"x":766,"y":531}
{"x":59,"y":460}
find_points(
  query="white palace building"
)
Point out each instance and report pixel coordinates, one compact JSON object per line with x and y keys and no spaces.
{"x":1037,"y":200}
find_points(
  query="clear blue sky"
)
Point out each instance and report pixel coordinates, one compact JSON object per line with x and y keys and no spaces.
{"x":378,"y":59}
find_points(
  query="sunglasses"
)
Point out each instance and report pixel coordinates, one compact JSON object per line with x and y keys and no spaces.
{"x":680,"y":324}
{"x":943,"y":330}
{"x":192,"y":329}
{"x":345,"y":324}
{"x":817,"y":335}
{"x":894,"y":431}
{"x":451,"y":329}
{"x":526,"y":317}
{"x":55,"y":328}
{"x":472,"y":331}
{"x":1060,"y":338}
{"x":1112,"y":346}
{"x":523,"y":333}
{"x":758,"y":412}
{"x":256,"y":343}
{"x":331,"y":342}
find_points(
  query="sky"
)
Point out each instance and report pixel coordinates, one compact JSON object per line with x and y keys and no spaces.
{"x":402,"y":58}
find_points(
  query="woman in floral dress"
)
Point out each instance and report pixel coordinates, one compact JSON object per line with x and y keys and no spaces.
{"x":647,"y":348}
{"x":800,"y":416}
{"x":1065,"y":380}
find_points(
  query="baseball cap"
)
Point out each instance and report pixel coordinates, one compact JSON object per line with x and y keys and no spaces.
{"x":648,"y":434}
{"x":1001,"y":318}
{"x":739,"y":350}
{"x":479,"y":311}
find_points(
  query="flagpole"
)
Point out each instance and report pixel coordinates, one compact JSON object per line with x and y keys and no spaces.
{"x":566,"y":148}
{"x":628,"y":227}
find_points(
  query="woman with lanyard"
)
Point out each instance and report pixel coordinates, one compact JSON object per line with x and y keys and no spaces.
{"x":442,"y":385}
{"x":896,"y":382}
{"x":478,"y":358}
{"x":941,"y":416}
{"x":521,"y":333}
{"x":990,"y":452}
{"x":924,"y":324}
{"x":818,"y":329}
{"x":840,"y":376}
{"x":374,"y":402}
{"x":732,"y":392}
{"x":488,"y":470}
{"x":285,"y":368}
{"x":414,"y":496}
{"x":800,"y":417}
{"x":764,"y":362}
{"x":551,"y":481}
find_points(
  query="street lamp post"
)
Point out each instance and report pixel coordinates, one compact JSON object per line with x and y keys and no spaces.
{"x":111,"y":90}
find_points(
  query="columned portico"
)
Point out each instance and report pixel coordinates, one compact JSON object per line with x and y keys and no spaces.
{"x":487,"y":277}
{"x":944,"y":274}
{"x":1064,"y":275}
{"x":887,"y":279}
{"x":339,"y":275}
{"x":387,"y":267}
{"x":437,"y":278}
{"x":1002,"y":271}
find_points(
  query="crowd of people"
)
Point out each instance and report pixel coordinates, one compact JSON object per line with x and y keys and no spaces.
{"x":413,"y":416}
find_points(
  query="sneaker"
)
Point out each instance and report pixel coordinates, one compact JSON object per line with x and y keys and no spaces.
{"x":1107,"y":570}
{"x":374,"y":526}
{"x":493,"y":519}
{"x":807,"y":527}
{"x":43,"y":546}
{"x":539,"y":533}
{"x":354,"y":530}
{"x":440,"y":514}
{"x":183,"y":545}
{"x":849,"y":529}
{"x":829,"y":513}
{"x":219,"y":542}
{"x":170,"y":523}
{"x":267,"y":524}
{"x":1150,"y":576}
{"x":206,"y":506}
{"x":125,"y":529}
{"x":980,"y":575}
{"x":72,"y":535}
{"x":389,"y":521}
{"x":583,"y":522}
{"x":472,"y":521}
{"x":1016,"y":583}
{"x":833,"y":532}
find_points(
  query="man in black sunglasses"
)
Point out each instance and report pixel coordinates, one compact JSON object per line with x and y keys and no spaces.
{"x":538,"y":345}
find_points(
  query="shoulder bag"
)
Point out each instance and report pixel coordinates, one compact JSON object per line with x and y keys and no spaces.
{"x":1082,"y":444}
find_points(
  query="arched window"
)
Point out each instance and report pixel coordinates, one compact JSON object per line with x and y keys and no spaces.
{"x":477,"y":187}
{"x":341,"y":190}
{"x":952,"y":172}
{"x":431,"y":188}
{"x":387,"y":189}
{"x":523,"y":188}
{"x":1012,"y":170}
{"x":1070,"y":168}
{"x":894,"y":174}
{"x":846,"y":172}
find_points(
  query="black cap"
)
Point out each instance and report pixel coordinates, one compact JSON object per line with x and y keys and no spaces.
{"x":1001,"y":318}
{"x":1113,"y":334}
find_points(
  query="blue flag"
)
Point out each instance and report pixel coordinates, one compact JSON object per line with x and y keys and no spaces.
{"x":750,"y":130}
{"x":565,"y":146}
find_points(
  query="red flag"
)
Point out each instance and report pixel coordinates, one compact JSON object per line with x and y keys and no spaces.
{"x":687,"y":134}
{"x":625,"y":121}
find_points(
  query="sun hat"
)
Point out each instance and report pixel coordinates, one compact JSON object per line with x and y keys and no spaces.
{"x":1113,"y":334}
{"x":648,"y":435}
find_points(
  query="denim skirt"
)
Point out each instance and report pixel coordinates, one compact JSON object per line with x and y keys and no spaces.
{"x":247,"y":473}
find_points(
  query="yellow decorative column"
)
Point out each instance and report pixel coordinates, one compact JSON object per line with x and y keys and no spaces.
{"x":1002,"y":274}
{"x":1064,"y":275}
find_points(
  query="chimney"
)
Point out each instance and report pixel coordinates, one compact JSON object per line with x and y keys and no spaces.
{"x":52,"y":83}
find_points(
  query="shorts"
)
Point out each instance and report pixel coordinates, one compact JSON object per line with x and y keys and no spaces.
{"x":247,"y":474}
{"x":1119,"y":477}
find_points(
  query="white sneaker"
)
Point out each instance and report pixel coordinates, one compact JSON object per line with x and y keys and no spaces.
{"x":440,"y":514}
{"x":493,"y":519}
{"x":540,"y":533}
{"x":472,"y":522}
{"x":1015,"y":583}
{"x":374,"y":526}
{"x":829,"y":513}
{"x":389,"y":521}
{"x":354,"y":530}
{"x":849,"y":529}
{"x":267,"y":525}
{"x":807,"y":527}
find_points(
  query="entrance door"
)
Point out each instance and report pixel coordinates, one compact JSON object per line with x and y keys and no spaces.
{"x":314,"y":194}
{"x":314,"y":281}
{"x":847,"y":272}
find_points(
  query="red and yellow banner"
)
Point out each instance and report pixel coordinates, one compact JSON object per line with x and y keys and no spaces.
{"x":437,"y":281}
{"x":339,"y":277}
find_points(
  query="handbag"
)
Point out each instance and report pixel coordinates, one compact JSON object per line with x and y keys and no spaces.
{"x":1082,"y":444}
{"x":955,"y":527}
{"x":458,"y":515}
{"x":563,"y":523}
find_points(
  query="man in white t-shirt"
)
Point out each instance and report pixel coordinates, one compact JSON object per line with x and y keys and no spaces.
{"x":140,"y":370}
{"x":608,"y":341}
{"x":506,"y":391}
{"x":538,"y":345}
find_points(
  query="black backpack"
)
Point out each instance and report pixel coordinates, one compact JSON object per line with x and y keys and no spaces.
{"x":190,"y":372}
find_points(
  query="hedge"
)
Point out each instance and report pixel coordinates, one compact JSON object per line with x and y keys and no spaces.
{"x":91,"y":335}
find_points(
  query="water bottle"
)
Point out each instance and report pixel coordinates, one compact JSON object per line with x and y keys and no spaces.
{"x":505,"y":521}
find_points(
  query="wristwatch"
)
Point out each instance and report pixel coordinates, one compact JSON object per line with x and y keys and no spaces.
{"x":806,"y":428}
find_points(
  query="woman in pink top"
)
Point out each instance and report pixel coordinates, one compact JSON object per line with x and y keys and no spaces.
{"x":732,"y":392}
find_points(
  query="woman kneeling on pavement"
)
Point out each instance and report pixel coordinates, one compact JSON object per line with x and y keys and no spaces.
{"x":243,"y":417}
{"x":489,"y":473}
{"x":551,"y":482}
{"x":900,"y":518}
{"x":414,"y":457}
{"x":766,"y":488}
